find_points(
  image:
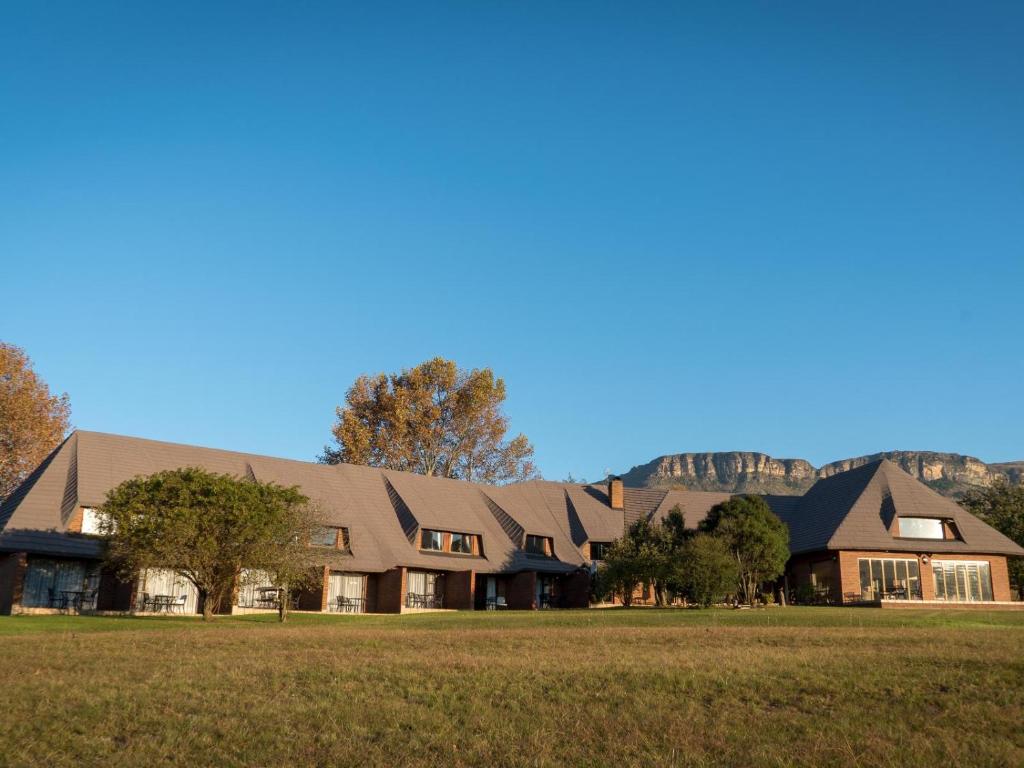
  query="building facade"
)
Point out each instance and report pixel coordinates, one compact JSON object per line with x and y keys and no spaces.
{"x":398,"y":542}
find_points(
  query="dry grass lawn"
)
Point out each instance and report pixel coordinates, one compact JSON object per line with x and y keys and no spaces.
{"x":776,"y":687}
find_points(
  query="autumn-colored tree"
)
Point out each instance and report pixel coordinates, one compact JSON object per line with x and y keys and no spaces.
{"x":32,"y":421}
{"x":434,"y":419}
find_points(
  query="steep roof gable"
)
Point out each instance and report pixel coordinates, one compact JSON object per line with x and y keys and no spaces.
{"x":857,"y":509}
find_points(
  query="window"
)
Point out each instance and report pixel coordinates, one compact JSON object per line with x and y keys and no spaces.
{"x":463,"y":543}
{"x":91,"y":520}
{"x":921,"y":528}
{"x":599,"y":549}
{"x":889,"y":579}
{"x":538,"y":545}
{"x":962,"y":580}
{"x":326,"y":536}
{"x":432,"y":540}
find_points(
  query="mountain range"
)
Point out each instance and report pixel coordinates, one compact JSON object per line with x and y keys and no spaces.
{"x":951,"y":474}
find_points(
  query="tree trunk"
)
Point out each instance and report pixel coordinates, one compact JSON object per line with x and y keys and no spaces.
{"x":207,"y":602}
{"x":282,"y":605}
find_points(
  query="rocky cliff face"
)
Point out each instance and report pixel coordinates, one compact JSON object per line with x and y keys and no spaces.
{"x":741,"y":472}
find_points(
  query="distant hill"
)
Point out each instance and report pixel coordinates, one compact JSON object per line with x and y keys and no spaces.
{"x":951,"y":474}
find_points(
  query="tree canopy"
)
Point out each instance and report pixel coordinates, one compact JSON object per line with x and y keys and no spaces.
{"x":706,"y":571}
{"x":757,"y":539}
{"x":32,"y":421}
{"x":1001,"y":505}
{"x":433,"y":419}
{"x":208,"y":527}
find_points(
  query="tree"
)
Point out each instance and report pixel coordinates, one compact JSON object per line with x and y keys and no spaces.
{"x":207,"y":527}
{"x":434,"y":419}
{"x":639,"y":557}
{"x":32,"y":421}
{"x":757,"y":539}
{"x":705,"y":570}
{"x":1001,"y":505}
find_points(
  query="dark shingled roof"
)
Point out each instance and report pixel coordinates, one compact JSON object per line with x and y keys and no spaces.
{"x":385,"y":510}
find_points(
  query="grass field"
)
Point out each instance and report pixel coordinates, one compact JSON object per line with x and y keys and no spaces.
{"x":813,"y":686}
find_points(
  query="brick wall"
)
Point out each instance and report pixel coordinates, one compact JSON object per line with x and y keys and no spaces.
{"x":849,"y":571}
{"x":521,"y":595}
{"x":12,"y":577}
{"x":574,"y":590}
{"x":114,"y":594}
{"x":390,"y":591}
{"x":460,"y":590}
{"x":75,"y":521}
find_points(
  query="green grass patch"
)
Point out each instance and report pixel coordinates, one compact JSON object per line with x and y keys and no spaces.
{"x":773,"y":687}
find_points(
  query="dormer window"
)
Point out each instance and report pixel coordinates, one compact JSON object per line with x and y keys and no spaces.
{"x":539,"y":545}
{"x":927,"y":528}
{"x":599,"y":549}
{"x":448,"y":541}
{"x":92,"y":521}
{"x":432,"y":540}
{"x":332,"y":537}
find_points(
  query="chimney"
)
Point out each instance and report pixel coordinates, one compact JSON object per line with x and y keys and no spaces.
{"x":615,"y":495}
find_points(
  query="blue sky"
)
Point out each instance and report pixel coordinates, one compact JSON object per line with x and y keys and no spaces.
{"x":792,"y":228}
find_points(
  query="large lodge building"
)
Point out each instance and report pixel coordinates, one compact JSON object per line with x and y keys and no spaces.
{"x":870,"y":536}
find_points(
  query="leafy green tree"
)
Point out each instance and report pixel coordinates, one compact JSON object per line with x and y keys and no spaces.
{"x":207,"y":527}
{"x":639,"y":557}
{"x":757,"y":539}
{"x":706,"y":570}
{"x":434,"y":419}
{"x":1001,"y":505}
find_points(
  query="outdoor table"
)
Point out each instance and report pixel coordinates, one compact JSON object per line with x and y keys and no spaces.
{"x":162,"y":603}
{"x":73,"y":598}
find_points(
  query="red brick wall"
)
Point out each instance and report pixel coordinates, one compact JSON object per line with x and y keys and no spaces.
{"x":390,"y":591}
{"x":114,"y":594}
{"x":521,"y":595}
{"x":574,"y":590}
{"x":849,"y":571}
{"x":12,"y":577}
{"x":459,"y":590}
{"x":75,"y":521}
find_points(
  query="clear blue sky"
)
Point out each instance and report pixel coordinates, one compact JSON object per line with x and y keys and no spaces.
{"x":793,"y":228}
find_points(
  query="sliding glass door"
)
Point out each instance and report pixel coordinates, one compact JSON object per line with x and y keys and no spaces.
{"x":962,"y":580}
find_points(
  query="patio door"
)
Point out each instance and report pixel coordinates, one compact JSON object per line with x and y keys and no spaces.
{"x":962,"y":580}
{"x":348,"y":586}
{"x":168,"y":584}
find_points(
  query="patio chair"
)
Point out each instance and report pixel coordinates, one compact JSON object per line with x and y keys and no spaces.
{"x":178,"y":604}
{"x":500,"y":604}
{"x":56,"y":599}
{"x":87,"y":601}
{"x":147,"y":603}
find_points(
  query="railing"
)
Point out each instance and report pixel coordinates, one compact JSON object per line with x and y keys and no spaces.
{"x":423,"y":600}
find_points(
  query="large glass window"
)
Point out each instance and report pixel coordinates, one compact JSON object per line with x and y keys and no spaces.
{"x":921,"y":528}
{"x":424,"y":590}
{"x":345,"y":592}
{"x":599,"y":549}
{"x":889,"y":579}
{"x":46,"y":580}
{"x":962,"y":580}
{"x":432,"y":540}
{"x":462,"y":543}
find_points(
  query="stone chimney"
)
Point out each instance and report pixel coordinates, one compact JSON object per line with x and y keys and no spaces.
{"x":615,"y":496}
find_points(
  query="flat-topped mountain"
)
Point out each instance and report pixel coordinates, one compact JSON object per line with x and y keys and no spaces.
{"x":951,"y":474}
